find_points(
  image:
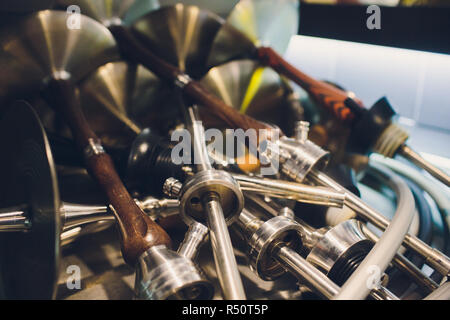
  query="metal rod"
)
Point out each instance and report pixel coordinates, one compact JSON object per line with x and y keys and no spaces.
{"x":382,"y":293}
{"x":303,"y":270}
{"x":297,"y":265}
{"x":439,"y":261}
{"x":225,"y":260}
{"x":76,"y":214}
{"x":14,"y":219}
{"x":200,"y":156}
{"x":226,"y":265}
{"x":416,"y":158}
{"x":406,"y":266}
{"x":291,"y":190}
{"x":193,"y":240}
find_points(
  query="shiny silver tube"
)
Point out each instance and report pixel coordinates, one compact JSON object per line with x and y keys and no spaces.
{"x":193,"y":240}
{"x":226,"y":265}
{"x":14,"y":219}
{"x":76,"y":214}
{"x":195,"y":127}
{"x":159,"y":208}
{"x":303,"y":270}
{"x":356,"y":287}
{"x":225,"y":260}
{"x":415,"y":158}
{"x":291,"y":190}
{"x":439,"y":261}
{"x":406,"y":266}
{"x":382,"y":293}
{"x":71,"y":235}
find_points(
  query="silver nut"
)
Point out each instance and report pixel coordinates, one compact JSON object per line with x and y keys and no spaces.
{"x":172,"y":188}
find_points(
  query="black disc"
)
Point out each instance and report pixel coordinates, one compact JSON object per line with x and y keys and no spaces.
{"x":29,"y":260}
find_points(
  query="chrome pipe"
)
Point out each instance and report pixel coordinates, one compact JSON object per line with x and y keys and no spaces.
{"x":402,"y":263}
{"x":76,"y":214}
{"x":309,"y":236}
{"x":226,"y":265}
{"x":409,"y":154}
{"x":291,"y":190}
{"x":439,"y":261}
{"x":200,"y":152}
{"x":193,"y":240}
{"x":382,"y":293}
{"x":14,"y":219}
{"x":303,"y":270}
{"x":225,"y":260}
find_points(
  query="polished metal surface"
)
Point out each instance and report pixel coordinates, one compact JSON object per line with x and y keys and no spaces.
{"x":336,"y":243}
{"x":194,"y":239}
{"x":305,"y":272}
{"x":213,"y":197}
{"x":415,"y":158}
{"x":120,"y":99}
{"x":207,"y":180}
{"x":204,"y":182}
{"x":40,"y":46}
{"x":291,"y":190}
{"x":75,"y":215}
{"x":261,"y":243}
{"x":159,"y":208}
{"x":73,"y":235}
{"x":226,"y":265}
{"x":248,"y":87}
{"x":340,"y":242}
{"x":163,"y":274}
{"x":110,"y":12}
{"x":434,"y":257}
{"x":273,"y":246}
{"x":180,"y":34}
{"x":253,"y":23}
{"x":303,"y":157}
{"x":28,"y":177}
{"x":14,"y":219}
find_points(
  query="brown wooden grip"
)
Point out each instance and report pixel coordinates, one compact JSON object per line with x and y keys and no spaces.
{"x":323,"y":93}
{"x":132,"y":48}
{"x":138,"y":231}
{"x":220,"y":109}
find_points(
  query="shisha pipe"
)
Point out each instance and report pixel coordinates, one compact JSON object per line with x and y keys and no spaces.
{"x":214,"y":197}
{"x":269,"y":241}
{"x":133,"y":49}
{"x":139,"y":234}
{"x":373,"y":128}
{"x":238,"y":38}
{"x":304,"y":161}
{"x":104,"y":93}
{"x":32,"y":214}
{"x":335,"y":251}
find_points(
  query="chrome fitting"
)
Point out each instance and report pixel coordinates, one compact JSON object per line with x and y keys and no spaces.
{"x":182,"y":80}
{"x":340,"y":245}
{"x":163,"y":274}
{"x":94,"y":148}
{"x":206,"y":182}
{"x":172,"y":188}
{"x":270,"y":233}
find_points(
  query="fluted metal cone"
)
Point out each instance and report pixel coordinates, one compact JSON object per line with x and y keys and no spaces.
{"x":120,"y":99}
{"x":249,"y":88}
{"x":41,"y":45}
{"x":180,"y":34}
{"x":253,"y":24}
